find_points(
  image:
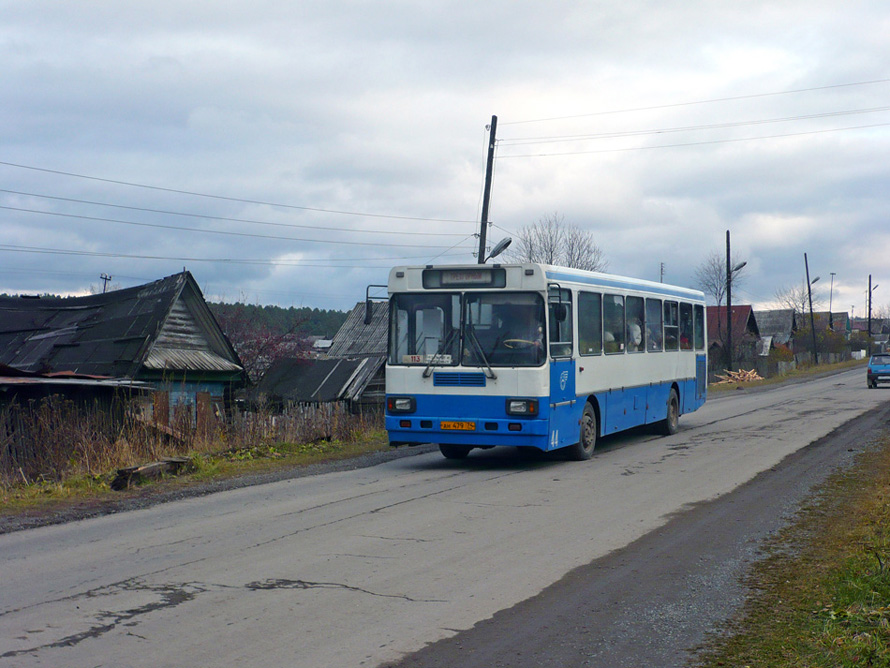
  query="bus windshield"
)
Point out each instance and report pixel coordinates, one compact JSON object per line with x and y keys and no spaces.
{"x":497,"y":329}
{"x":503,"y":329}
{"x":424,"y":328}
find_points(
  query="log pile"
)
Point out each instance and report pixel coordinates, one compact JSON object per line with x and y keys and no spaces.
{"x":740,"y":376}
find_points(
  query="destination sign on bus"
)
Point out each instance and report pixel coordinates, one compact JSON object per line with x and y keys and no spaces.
{"x":465,"y":277}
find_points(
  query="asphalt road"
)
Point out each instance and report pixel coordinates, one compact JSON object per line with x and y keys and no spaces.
{"x":627,"y":559}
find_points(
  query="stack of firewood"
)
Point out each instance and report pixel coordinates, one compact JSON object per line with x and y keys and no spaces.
{"x":740,"y":376}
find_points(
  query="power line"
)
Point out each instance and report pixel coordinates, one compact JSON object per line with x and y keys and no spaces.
{"x":697,"y":143}
{"x":9,"y":248}
{"x":225,"y":218}
{"x":713,"y":126}
{"x":220,"y":232}
{"x":695,"y":102}
{"x":230,"y":199}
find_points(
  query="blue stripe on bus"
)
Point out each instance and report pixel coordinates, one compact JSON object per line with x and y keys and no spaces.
{"x":620,"y":409}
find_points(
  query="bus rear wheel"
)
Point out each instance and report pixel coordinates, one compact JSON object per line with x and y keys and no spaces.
{"x":454,"y":451}
{"x":584,"y":448}
{"x":671,"y":423}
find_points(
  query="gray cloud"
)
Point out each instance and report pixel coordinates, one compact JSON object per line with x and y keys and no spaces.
{"x":380,"y":108}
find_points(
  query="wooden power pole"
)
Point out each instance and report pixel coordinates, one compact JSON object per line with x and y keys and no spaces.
{"x":486,"y":195}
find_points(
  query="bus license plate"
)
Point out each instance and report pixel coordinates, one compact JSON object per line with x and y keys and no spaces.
{"x":459,"y":426}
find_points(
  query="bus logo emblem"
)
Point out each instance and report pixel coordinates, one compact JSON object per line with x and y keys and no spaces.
{"x":563,"y":380}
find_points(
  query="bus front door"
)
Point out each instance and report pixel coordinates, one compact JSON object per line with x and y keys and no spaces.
{"x":564,"y":429}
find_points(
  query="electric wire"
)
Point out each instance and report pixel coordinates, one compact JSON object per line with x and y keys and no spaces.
{"x":230,"y":199}
{"x":524,"y":141}
{"x":697,"y":102}
{"x":225,"y":218}
{"x":218,"y":232}
{"x":696,"y":143}
{"x":306,"y":262}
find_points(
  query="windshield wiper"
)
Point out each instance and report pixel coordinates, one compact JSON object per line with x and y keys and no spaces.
{"x":471,"y":334}
{"x":432,"y":362}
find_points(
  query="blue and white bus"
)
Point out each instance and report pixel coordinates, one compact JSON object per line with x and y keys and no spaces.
{"x":538,"y":356}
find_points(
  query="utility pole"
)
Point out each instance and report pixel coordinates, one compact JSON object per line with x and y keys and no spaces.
{"x":869,"y":314}
{"x":812,"y":318}
{"x":486,"y":195}
{"x":728,"y":307}
{"x":662,"y":272}
{"x":830,"y":294}
{"x":104,"y":278}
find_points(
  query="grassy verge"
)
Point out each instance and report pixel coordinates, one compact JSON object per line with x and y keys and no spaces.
{"x":822,"y":595}
{"x":45,"y":495}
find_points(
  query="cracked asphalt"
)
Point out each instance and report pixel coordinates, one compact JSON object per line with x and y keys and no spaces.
{"x":627,"y":559}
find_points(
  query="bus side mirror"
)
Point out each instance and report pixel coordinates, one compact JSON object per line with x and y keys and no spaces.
{"x":560,"y":312}
{"x":368,"y":312}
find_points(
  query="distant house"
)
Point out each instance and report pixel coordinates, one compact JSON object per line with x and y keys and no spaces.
{"x":837,"y":322}
{"x":745,"y":334}
{"x":357,"y":339}
{"x":779,"y":325}
{"x":162,"y":333}
{"x":352,"y":371}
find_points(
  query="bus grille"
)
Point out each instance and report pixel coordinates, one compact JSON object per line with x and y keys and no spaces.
{"x":442,"y":379}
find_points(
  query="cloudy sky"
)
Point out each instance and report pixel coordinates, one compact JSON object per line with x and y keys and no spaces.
{"x":291,"y":152}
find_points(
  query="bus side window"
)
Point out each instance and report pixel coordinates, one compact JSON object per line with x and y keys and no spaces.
{"x":636,"y":320}
{"x":654,"y":334}
{"x":686,"y":326}
{"x":560,"y":323}
{"x":590,"y":323}
{"x":671,"y":326}
{"x":699,"y":327}
{"x":613,"y":324}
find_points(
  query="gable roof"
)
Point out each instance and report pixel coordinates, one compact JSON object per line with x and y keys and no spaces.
{"x":356,"y":339}
{"x":161,"y":326}
{"x":743,"y":324}
{"x":780,"y":324}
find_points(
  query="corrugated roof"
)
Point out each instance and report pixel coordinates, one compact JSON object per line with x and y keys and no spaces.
{"x":191,"y":360}
{"x":356,"y":339}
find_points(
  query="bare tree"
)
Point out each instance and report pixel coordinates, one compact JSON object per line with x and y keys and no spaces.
{"x":797,"y":298}
{"x":552,"y":241}
{"x":710,"y":276}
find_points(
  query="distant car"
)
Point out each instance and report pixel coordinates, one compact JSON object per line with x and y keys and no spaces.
{"x":878,"y":370}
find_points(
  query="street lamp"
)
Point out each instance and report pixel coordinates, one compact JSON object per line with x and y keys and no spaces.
{"x":810,"y":296}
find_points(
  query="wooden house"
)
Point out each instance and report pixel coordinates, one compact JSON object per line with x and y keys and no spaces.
{"x":162,"y":333}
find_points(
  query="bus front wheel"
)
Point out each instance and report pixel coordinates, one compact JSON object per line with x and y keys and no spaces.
{"x":583,"y":449}
{"x":454,"y":451}
{"x":671,"y":423}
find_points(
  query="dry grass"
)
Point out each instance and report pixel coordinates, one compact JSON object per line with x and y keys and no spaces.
{"x":56,"y":449}
{"x":823,"y":594}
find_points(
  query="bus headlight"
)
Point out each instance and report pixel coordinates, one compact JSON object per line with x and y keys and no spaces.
{"x":400,"y":404}
{"x":527,"y":407}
